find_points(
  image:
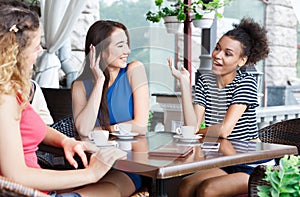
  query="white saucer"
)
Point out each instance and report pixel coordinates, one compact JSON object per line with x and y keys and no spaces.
{"x":189,"y":139}
{"x":109,"y":143}
{"x":127,"y":136}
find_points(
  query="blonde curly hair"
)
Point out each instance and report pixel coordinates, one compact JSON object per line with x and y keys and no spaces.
{"x":17,"y":23}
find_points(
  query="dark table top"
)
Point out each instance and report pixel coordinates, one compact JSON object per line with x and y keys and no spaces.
{"x":161,"y":167}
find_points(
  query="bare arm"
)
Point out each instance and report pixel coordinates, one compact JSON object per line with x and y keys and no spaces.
{"x":225,"y":128}
{"x":83,"y":108}
{"x":12,"y":161}
{"x":139,"y":85}
{"x":191,"y":115}
{"x":199,"y":111}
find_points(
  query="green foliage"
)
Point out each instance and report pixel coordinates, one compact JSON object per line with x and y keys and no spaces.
{"x":150,"y":120}
{"x":199,"y":8}
{"x":203,"y":125}
{"x":285,"y":181}
{"x":176,"y":9}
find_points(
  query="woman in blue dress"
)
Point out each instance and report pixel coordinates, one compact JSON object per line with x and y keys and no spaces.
{"x":226,"y":99}
{"x":110,"y":90}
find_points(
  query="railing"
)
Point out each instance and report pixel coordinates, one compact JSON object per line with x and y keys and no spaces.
{"x":270,"y":115}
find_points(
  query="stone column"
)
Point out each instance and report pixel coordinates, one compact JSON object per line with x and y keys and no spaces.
{"x":281,"y":24}
{"x":280,"y":66}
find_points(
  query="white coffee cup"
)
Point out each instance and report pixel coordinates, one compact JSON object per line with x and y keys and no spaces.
{"x":123,"y":128}
{"x":186,"y":131}
{"x":125,"y":145}
{"x":100,"y":137}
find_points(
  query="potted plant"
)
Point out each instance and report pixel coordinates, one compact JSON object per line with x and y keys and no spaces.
{"x":282,"y":182}
{"x":204,"y":12}
{"x":172,"y":14}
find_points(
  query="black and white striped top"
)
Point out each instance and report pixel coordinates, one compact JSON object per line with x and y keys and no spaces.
{"x":242,"y":90}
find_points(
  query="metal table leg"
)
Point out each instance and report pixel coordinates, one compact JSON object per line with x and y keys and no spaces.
{"x":159,"y":188}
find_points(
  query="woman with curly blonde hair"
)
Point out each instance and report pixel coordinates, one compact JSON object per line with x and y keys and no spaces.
{"x":21,"y":128}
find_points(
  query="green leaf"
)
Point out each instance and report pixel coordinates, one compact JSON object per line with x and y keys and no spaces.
{"x":285,"y":195}
{"x":264,"y":188}
{"x":158,"y":2}
{"x":218,"y":15}
{"x":198,"y":16}
{"x":203,"y":125}
{"x":274,"y":178}
{"x":287,"y":190}
{"x":263,"y":194}
{"x":155,"y":18}
{"x":274,"y":193}
{"x":181,"y":16}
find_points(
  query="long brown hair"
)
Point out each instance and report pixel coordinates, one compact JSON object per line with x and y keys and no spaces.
{"x":98,"y":35}
{"x":16,"y":24}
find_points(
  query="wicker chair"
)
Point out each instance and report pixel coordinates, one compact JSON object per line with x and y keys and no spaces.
{"x":59,"y":102}
{"x":65,"y":126}
{"x":53,"y":158}
{"x":10,"y":188}
{"x":285,"y":132}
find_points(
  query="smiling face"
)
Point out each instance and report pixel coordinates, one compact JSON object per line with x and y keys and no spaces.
{"x":226,"y":58}
{"x":118,"y":49}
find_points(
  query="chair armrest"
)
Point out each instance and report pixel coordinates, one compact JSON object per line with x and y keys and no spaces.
{"x":51,"y":149}
{"x":11,"y":188}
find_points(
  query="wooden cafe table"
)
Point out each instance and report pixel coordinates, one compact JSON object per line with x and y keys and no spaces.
{"x":160,"y":168}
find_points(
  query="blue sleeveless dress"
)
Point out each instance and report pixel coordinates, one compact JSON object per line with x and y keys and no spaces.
{"x":120,"y":107}
{"x":119,"y":97}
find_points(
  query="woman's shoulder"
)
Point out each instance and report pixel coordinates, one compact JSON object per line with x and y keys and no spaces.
{"x":245,"y":74}
{"x":135,"y":69}
{"x":78,"y":86}
{"x":9,"y":102}
{"x":135,"y":64}
{"x":77,"y":83}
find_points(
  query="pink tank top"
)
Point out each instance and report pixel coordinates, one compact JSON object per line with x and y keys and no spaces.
{"x":33,"y":131}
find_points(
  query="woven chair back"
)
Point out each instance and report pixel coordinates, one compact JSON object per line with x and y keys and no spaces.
{"x":59,"y":102}
{"x":285,"y":132}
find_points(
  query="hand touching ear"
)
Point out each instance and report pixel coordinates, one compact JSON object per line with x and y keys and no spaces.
{"x":94,"y":64}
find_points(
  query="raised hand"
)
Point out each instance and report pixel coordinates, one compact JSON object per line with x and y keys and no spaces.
{"x":178,"y":74}
{"x":94,"y":64}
